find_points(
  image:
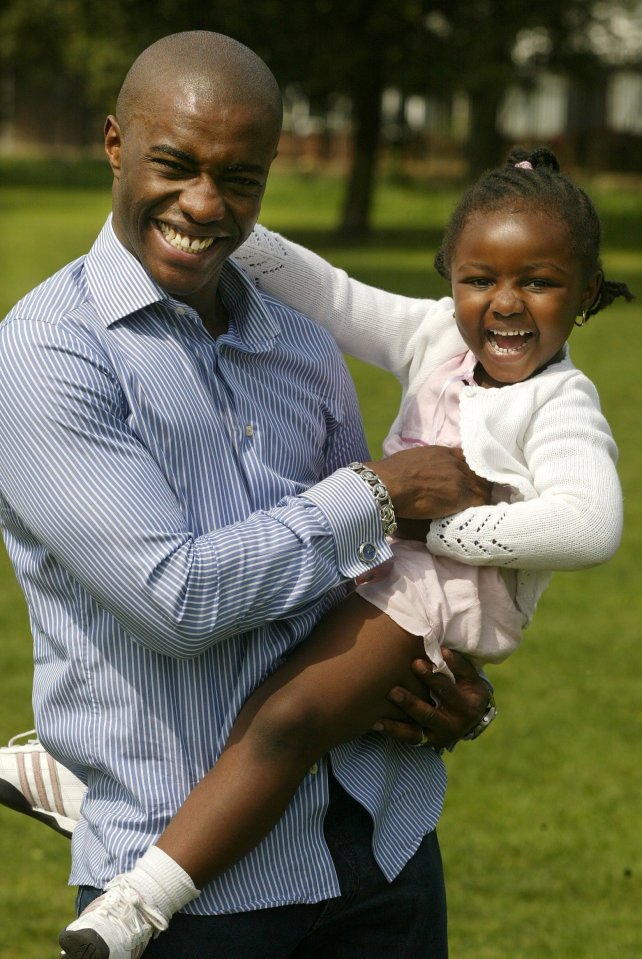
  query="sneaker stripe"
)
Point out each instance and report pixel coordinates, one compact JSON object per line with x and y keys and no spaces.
{"x":14,"y":739}
{"x":55,"y":786}
{"x":39,"y":781}
{"x":24,"y":782}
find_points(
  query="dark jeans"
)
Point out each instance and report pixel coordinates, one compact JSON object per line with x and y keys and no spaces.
{"x":405,"y":919}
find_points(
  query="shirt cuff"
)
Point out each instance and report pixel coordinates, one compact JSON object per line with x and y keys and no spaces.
{"x":353,"y":516}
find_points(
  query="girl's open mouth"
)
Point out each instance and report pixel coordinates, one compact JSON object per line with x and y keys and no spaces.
{"x":508,"y":341}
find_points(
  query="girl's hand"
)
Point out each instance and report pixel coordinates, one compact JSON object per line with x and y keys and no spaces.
{"x":461,"y":704}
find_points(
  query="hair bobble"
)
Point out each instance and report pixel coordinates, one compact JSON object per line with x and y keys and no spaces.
{"x":524,"y":165}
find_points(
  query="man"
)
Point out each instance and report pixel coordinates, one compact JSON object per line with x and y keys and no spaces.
{"x":175,"y":501}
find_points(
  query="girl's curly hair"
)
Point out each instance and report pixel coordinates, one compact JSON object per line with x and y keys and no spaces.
{"x":533,"y":179}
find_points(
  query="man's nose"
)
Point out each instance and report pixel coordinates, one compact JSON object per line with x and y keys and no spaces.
{"x":202,"y":201}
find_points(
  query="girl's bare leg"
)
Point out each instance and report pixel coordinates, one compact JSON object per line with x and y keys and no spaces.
{"x":332,"y":689}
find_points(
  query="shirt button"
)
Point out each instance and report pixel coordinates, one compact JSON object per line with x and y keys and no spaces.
{"x":181,"y":310}
{"x":367,"y":552}
{"x":314,"y":769}
{"x":249,"y":430}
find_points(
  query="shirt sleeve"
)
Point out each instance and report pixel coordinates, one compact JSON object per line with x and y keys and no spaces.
{"x":573,"y":519}
{"x":90,"y":498}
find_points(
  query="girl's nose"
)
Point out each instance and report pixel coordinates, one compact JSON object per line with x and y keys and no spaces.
{"x":507,"y":301}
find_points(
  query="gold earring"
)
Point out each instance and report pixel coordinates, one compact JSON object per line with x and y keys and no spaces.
{"x":584,"y":320}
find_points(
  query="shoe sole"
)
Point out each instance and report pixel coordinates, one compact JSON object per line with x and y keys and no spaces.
{"x":83,"y":944}
{"x":13,"y":798}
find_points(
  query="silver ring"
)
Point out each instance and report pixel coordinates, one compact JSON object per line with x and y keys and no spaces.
{"x":422,"y":742}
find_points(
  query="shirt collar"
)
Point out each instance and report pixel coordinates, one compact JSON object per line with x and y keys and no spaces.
{"x":254,"y":323}
{"x":120,"y":286}
{"x":117,"y":281}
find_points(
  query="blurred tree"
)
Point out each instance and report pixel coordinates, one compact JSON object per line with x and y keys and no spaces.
{"x":482,"y":39}
{"x":358,"y":48}
{"x":354,"y":47}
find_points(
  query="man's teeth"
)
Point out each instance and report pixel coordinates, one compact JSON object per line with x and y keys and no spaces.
{"x":182,"y":242}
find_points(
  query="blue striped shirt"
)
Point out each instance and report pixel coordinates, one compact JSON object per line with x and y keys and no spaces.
{"x":177,"y":515}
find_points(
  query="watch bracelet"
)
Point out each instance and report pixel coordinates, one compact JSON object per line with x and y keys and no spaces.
{"x":490,"y":714}
{"x":380,"y":492}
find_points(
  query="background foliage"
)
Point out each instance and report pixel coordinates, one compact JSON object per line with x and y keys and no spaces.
{"x":80,"y":50}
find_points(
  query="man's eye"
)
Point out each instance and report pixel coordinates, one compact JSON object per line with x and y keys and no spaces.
{"x":244,"y":183}
{"x":170,"y":165}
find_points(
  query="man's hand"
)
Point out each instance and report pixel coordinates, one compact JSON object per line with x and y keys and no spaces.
{"x":425,"y":482}
{"x":461,"y":704}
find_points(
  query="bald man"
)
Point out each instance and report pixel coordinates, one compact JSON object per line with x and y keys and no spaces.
{"x":175,"y":500}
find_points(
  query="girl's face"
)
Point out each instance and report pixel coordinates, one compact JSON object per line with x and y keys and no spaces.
{"x":517,"y":289}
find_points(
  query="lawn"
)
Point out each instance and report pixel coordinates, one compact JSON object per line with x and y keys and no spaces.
{"x":541,"y":833}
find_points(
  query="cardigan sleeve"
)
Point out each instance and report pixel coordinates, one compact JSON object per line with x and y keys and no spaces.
{"x":573,"y":516}
{"x":385,"y":329}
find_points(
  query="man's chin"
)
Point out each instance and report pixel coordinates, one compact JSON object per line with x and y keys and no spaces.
{"x":184,"y":287}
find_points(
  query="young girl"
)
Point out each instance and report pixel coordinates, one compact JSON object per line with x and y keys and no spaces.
{"x":487,"y":370}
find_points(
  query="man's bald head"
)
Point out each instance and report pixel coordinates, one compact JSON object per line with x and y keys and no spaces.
{"x":202,"y":65}
{"x":199,"y":118}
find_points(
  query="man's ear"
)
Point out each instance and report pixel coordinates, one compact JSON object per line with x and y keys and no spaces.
{"x":113,"y":143}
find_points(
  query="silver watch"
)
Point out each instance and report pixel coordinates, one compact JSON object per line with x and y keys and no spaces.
{"x":483,"y":724}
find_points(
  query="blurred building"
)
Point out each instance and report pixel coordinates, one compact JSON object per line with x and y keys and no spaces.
{"x":594,"y":122}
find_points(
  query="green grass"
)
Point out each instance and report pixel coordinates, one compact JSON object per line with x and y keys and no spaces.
{"x":541,"y":833}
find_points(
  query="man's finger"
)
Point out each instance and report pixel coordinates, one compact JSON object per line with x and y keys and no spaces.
{"x":424,"y":713}
{"x":409,"y":733}
{"x":461,"y":667}
{"x":440,"y":687}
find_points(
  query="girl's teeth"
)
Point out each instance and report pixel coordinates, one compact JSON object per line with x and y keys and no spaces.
{"x":497,"y":339}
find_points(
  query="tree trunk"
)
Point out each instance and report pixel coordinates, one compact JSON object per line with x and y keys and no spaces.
{"x":366,"y":117}
{"x":484,"y":146}
{"x":586,"y":128}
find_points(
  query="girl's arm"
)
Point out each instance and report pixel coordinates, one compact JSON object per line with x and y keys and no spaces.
{"x":368,"y":323}
{"x":574,"y":519}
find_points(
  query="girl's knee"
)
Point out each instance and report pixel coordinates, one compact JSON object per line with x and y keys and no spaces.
{"x":289,"y":721}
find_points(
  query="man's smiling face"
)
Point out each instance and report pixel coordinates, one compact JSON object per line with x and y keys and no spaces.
{"x":189,"y":177}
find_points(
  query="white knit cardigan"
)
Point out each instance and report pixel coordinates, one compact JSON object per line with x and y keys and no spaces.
{"x":545,"y":437}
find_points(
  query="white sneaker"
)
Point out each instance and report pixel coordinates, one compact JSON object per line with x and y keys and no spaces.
{"x":32,"y":782}
{"x":116,"y":925}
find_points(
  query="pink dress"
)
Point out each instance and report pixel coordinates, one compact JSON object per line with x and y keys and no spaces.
{"x":470,"y":609}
